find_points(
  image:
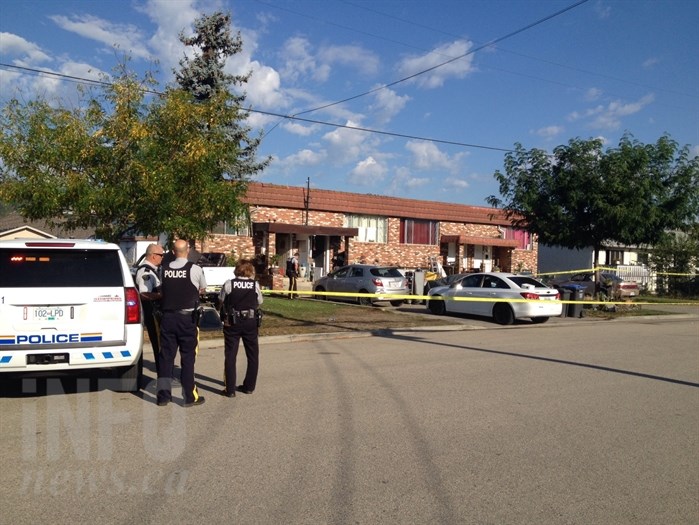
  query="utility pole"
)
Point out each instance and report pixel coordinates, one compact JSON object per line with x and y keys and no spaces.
{"x":307,"y":199}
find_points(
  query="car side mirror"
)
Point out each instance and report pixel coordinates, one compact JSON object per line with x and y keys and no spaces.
{"x":457,"y":286}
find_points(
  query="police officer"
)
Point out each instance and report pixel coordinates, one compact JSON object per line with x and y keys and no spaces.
{"x":240,"y":299}
{"x":292,"y":272}
{"x":182,"y":283}
{"x":148,"y":283}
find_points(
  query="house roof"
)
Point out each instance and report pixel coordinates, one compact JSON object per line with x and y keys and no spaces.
{"x":14,"y":221}
{"x":292,"y":197}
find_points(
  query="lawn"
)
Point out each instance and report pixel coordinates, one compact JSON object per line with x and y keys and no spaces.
{"x":283,"y":316}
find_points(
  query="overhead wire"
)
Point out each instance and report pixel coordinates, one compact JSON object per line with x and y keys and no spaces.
{"x":269,"y":113}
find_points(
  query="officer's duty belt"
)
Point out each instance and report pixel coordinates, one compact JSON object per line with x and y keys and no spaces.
{"x":245,"y":314}
{"x":183,"y":312}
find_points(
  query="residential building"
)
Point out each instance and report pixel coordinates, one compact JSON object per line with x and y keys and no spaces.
{"x":331,"y":227}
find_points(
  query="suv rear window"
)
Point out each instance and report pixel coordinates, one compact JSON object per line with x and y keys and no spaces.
{"x":21,"y":268}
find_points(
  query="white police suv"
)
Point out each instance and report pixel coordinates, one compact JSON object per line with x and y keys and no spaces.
{"x":69,"y":305}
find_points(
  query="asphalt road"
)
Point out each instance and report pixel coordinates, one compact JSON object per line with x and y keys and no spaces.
{"x":574,"y":421}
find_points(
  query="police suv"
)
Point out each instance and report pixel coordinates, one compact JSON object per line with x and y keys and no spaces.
{"x":69,"y":305}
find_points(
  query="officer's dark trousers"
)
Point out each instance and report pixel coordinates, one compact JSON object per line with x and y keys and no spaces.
{"x":177,"y":330}
{"x":153,"y":330}
{"x":245,"y":329}
{"x":293,"y":285}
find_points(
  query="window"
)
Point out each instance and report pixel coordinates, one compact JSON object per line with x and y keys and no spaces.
{"x":615,"y":257}
{"x":414,"y":231}
{"x":71,"y":268}
{"x":490,"y":281}
{"x":523,"y":237}
{"x":371,"y":229}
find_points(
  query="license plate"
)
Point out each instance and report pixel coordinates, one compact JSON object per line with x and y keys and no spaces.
{"x":48,"y":313}
{"x":392,"y":284}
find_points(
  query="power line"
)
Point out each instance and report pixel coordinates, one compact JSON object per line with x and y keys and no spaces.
{"x":270,"y":113}
{"x":470,"y":52}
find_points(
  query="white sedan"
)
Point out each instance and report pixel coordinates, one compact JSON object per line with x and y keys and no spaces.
{"x":502,"y":296}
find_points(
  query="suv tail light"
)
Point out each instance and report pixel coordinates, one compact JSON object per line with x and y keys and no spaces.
{"x":378,"y":282}
{"x":133,"y":306}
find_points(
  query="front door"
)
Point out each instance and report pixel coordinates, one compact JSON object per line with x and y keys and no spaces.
{"x":483,"y":258}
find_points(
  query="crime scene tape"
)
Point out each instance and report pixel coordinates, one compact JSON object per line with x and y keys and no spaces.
{"x":409,"y":297}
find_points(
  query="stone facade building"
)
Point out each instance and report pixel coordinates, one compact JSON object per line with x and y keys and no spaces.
{"x":329,"y":228}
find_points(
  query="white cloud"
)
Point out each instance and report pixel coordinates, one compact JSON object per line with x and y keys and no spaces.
{"x":404,"y":179}
{"x":593,"y":94}
{"x":456,"y":183}
{"x":126,"y":37}
{"x":355,"y":57}
{"x":299,"y":61}
{"x":428,"y":157}
{"x":345,"y":145}
{"x":548,"y":132}
{"x":650,"y":63}
{"x":299,"y":129}
{"x":609,"y":116}
{"x":305,"y":157}
{"x":435,"y":78}
{"x":387,"y":104}
{"x":603,"y":10}
{"x":26,"y":52}
{"x":368,"y":172}
{"x":302,"y":61}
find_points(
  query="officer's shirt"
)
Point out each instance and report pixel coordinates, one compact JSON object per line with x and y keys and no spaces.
{"x":147,"y":278}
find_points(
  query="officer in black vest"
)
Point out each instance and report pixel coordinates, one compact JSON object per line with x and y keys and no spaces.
{"x":240,"y":299}
{"x":182,"y":283}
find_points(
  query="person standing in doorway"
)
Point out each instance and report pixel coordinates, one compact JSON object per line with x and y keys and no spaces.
{"x":240,"y":300}
{"x":148,"y":283}
{"x":182,"y":283}
{"x":292,"y":272}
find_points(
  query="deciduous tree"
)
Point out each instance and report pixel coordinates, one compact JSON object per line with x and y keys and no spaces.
{"x":582,"y":196}
{"x":129,"y":160}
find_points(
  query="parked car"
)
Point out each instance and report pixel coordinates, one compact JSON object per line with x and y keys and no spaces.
{"x":444,"y":281}
{"x":386,"y":281}
{"x":69,"y":306}
{"x":611,"y":284}
{"x":487,"y":294}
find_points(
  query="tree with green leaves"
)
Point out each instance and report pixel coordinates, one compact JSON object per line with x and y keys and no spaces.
{"x":582,"y":196}
{"x":128,"y":161}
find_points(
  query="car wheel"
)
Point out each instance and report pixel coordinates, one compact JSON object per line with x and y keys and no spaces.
{"x":322,"y":297}
{"x":130,"y":377}
{"x":503,"y":314}
{"x":396,"y":303}
{"x":364,"y":301}
{"x":539,"y":320}
{"x":437,"y":307}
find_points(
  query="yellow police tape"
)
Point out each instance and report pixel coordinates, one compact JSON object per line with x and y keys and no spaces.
{"x":409,"y":297}
{"x":608,"y":269}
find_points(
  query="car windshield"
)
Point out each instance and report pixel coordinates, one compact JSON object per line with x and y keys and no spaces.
{"x":385,"y":272}
{"x":21,"y":268}
{"x":519,"y":280}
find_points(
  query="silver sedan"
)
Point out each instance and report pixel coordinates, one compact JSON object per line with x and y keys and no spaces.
{"x":502,"y":296}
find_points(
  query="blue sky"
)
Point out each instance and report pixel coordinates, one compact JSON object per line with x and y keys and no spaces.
{"x":600,"y":69}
